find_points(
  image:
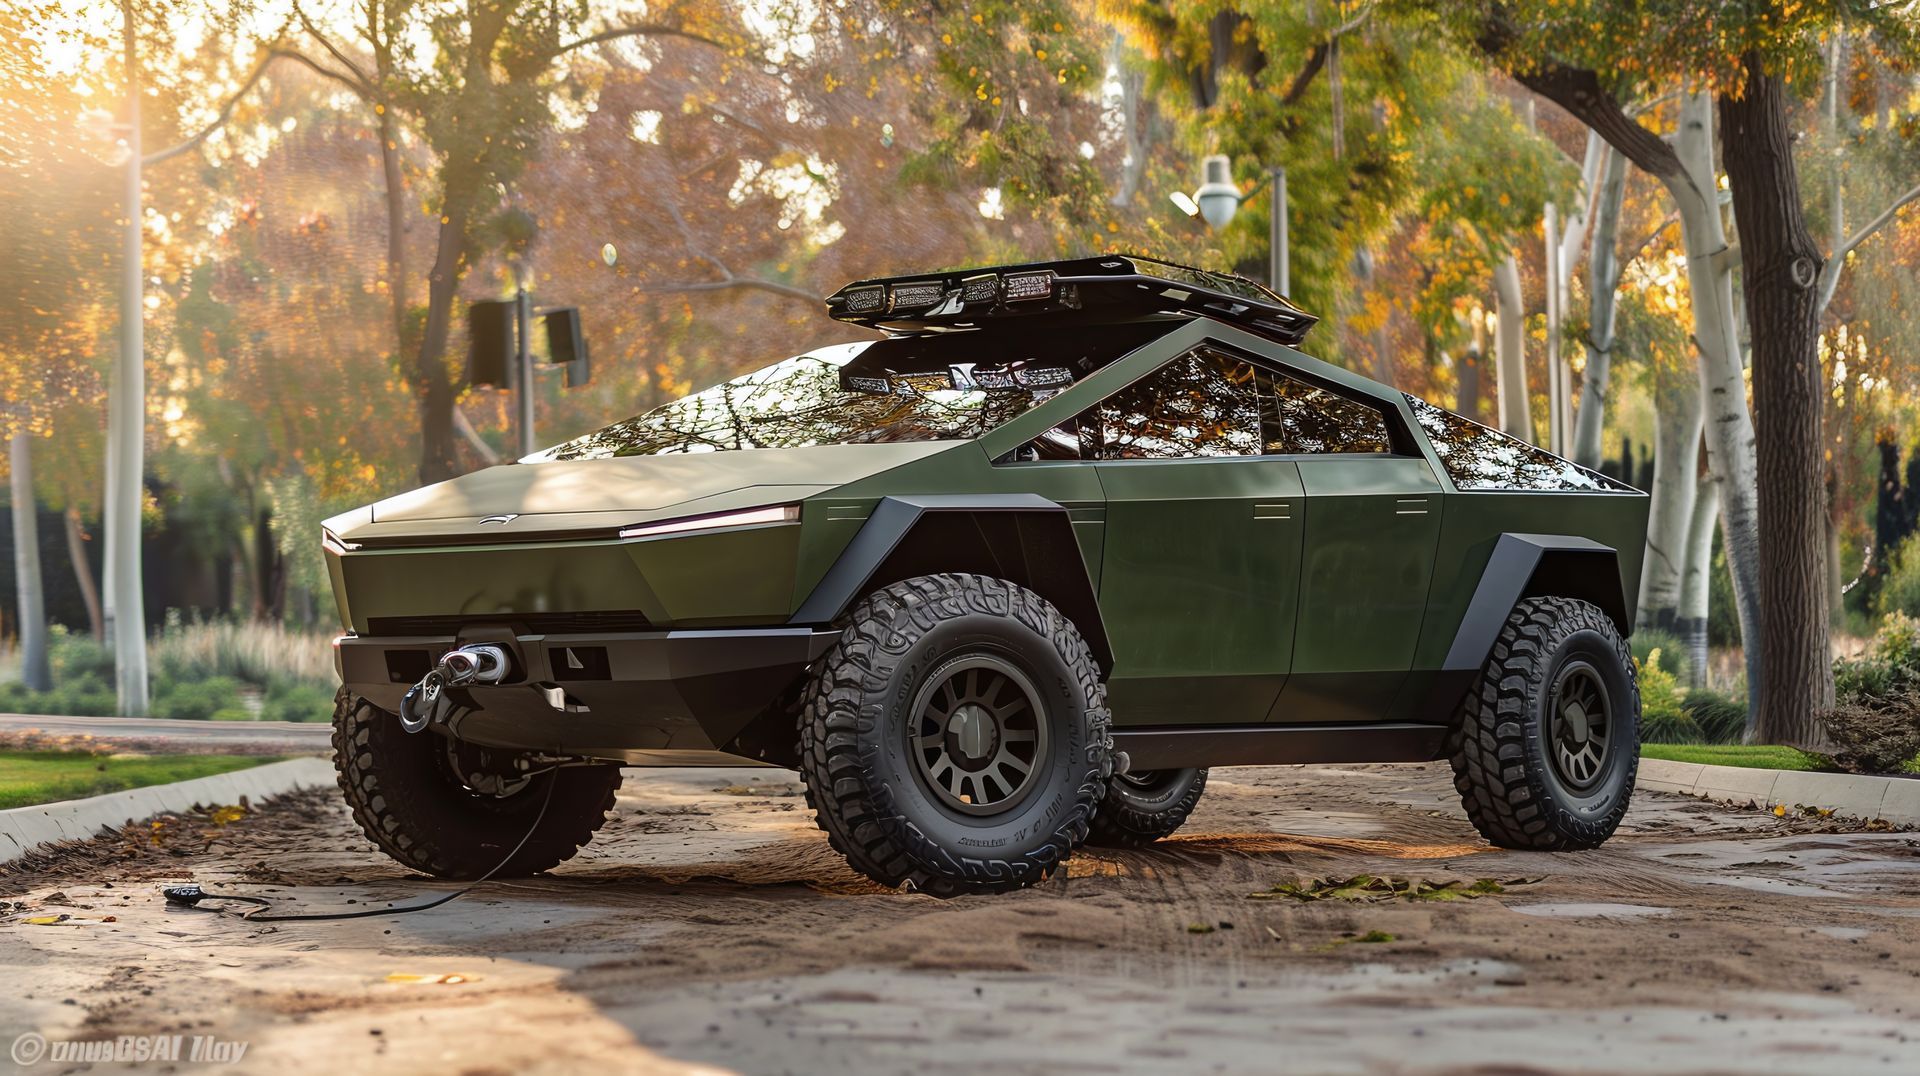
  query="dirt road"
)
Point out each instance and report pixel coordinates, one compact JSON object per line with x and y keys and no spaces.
{"x":712,"y":928}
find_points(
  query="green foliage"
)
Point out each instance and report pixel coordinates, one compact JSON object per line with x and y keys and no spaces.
{"x":1662,"y":717}
{"x":1900,"y":586}
{"x":1890,"y":668}
{"x":1719,"y":719}
{"x":1875,"y":719}
{"x":78,"y":657}
{"x":215,"y":698}
{"x":86,"y":696}
{"x":1756,"y":756}
{"x":297,"y":702}
{"x":1673,"y":652}
{"x":267,"y":656}
{"x":30,"y":777}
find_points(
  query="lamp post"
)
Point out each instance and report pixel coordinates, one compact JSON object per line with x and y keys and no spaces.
{"x":1218,"y":200}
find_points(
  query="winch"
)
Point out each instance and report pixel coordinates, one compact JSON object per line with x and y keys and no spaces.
{"x":428,"y":701}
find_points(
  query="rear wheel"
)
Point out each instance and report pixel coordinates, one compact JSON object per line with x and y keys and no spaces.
{"x":453,"y":810}
{"x":1548,"y":740}
{"x":1143,"y":807}
{"x":956,"y":737}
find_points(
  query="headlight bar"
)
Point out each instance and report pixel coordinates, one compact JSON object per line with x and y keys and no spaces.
{"x":779,"y":513}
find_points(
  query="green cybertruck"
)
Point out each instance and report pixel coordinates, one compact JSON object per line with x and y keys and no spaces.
{"x":1004,"y":582}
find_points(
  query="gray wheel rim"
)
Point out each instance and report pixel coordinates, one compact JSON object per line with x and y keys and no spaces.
{"x":979,"y":735}
{"x":1580,"y":726}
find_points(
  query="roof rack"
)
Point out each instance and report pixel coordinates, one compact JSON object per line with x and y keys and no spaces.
{"x":1103,"y":289}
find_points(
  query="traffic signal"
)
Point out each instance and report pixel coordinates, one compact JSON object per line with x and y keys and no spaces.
{"x":490,"y":349}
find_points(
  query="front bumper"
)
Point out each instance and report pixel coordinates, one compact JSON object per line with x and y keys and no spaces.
{"x":655,"y":697}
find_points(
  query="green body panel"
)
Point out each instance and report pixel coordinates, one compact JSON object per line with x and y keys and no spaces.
{"x":1371,"y":524}
{"x":1199,"y":588}
{"x":688,"y":581}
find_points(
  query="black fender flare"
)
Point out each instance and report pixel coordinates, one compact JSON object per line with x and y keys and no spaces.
{"x":1523,"y":566}
{"x":1023,"y":538}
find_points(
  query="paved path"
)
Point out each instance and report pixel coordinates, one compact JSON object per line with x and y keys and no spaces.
{"x":195,"y":735}
{"x":709,"y":927}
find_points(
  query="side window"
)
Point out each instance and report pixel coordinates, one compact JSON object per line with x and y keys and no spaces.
{"x":1205,"y":403}
{"x":1303,"y":418}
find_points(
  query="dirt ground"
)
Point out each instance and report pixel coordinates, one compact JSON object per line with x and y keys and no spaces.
{"x":711,"y":928}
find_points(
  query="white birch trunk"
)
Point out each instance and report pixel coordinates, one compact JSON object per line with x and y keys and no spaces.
{"x":1676,"y":449}
{"x":1729,"y":425}
{"x":1509,"y":351}
{"x":1696,"y":582}
{"x":34,"y":670}
{"x":1603,"y":286}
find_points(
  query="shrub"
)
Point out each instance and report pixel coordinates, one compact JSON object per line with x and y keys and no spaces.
{"x":297,"y":702}
{"x":1673,"y":652}
{"x":1721,"y":720}
{"x":265,"y":655}
{"x":77,"y":657}
{"x":1662,"y":717}
{"x":1876,"y":735}
{"x":1888,"y":669}
{"x":1900,"y":586}
{"x":198,"y":700}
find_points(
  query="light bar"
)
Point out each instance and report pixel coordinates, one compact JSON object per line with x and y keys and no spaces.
{"x":780,"y":513}
{"x":1021,"y":286}
{"x":920,"y":293}
{"x":1099,"y":290}
{"x":866,"y":300}
{"x":332,"y":543}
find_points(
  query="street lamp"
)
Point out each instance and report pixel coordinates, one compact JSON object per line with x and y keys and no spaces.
{"x":1218,"y":200}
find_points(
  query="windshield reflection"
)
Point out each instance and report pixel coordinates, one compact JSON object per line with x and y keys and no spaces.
{"x":800,"y":402}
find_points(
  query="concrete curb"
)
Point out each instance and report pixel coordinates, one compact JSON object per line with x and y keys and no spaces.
{"x":25,"y":828}
{"x":1894,"y":799}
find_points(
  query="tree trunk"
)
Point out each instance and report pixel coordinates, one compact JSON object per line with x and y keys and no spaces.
{"x":1509,"y":355}
{"x":1696,"y":583}
{"x":396,"y":223}
{"x":433,"y":384}
{"x":1133,"y":123}
{"x":83,"y":574}
{"x":34,"y":670}
{"x":1729,"y":426}
{"x":1676,"y":452}
{"x":1557,"y":388}
{"x":1467,"y":391}
{"x":1780,"y":266}
{"x":1603,"y":286}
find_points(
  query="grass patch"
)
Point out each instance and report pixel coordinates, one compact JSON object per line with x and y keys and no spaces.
{"x":30,"y":777}
{"x":1753,"y":756}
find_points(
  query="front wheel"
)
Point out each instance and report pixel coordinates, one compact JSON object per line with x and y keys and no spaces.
{"x":955,"y":739}
{"x":456,"y":811}
{"x":1548,"y":740}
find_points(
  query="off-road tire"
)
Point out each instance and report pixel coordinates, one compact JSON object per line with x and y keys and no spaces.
{"x":1511,"y":788}
{"x":406,"y":800}
{"x":1139,"y":809}
{"x":858,"y":768}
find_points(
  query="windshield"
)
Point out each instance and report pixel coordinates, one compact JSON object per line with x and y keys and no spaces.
{"x":800,"y":402}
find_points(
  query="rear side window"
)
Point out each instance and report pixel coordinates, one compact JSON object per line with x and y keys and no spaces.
{"x":1482,"y":458}
{"x":1309,"y":419}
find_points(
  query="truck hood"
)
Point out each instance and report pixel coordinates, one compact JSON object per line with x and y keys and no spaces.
{"x":581,"y":498}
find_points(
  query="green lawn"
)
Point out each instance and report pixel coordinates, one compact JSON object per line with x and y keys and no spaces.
{"x":30,"y":777}
{"x":1752,"y":755}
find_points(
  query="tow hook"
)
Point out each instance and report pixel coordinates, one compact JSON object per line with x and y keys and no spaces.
{"x":427,"y":701}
